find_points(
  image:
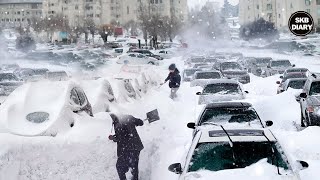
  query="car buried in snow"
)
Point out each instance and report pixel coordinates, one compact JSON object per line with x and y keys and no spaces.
{"x":217,"y":153}
{"x":43,"y":108}
{"x":202,"y":78}
{"x":278,"y":67}
{"x":294,"y":83}
{"x":221,"y":90}
{"x":310,"y":102}
{"x":187,"y":74}
{"x":136,"y":58}
{"x":8,"y":83}
{"x":257,"y":65}
{"x":233,"y":70}
{"x":229,"y":114}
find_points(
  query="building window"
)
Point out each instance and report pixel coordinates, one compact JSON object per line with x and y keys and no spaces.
{"x":279,"y":15}
{"x":128,"y":10}
{"x":291,"y":6}
{"x":258,"y":6}
{"x":76,"y":7}
{"x":307,"y":2}
{"x":34,"y":6}
{"x":318,"y":21}
{"x":248,"y":7}
{"x":318,"y":2}
{"x":89,"y":0}
{"x":308,"y":11}
{"x":269,"y":6}
{"x":156,"y":1}
{"x":160,"y":1}
{"x":318,"y":11}
{"x":97,"y":15}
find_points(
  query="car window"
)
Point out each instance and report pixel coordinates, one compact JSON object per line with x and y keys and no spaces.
{"x":222,"y":88}
{"x":280,"y":63}
{"x":229,"y":115}
{"x":208,"y":75}
{"x":296,"y":84}
{"x":231,"y":66}
{"x":190,"y":72}
{"x":74,"y":97}
{"x":140,"y":56}
{"x":220,"y":156}
{"x":132,"y":55}
{"x":315,"y":88}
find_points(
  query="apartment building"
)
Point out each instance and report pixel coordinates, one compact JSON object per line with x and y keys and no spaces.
{"x":277,"y":11}
{"x":107,"y":11}
{"x":14,"y":13}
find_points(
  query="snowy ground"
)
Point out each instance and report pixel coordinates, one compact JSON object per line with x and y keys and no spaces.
{"x":86,"y":153}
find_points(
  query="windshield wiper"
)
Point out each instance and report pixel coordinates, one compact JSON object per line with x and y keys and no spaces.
{"x":274,"y":156}
{"x":224,"y":130}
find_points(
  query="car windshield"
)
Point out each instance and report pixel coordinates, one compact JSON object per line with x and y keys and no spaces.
{"x":294,"y":75}
{"x":231,"y":66}
{"x":296,"y":84}
{"x":8,"y":77}
{"x":229,"y":115}
{"x":208,"y":75}
{"x":285,"y":63}
{"x":221,"y":88}
{"x":315,"y":88}
{"x":220,"y":156}
{"x":296,"y":70}
{"x":190,"y":72}
{"x":197,"y":60}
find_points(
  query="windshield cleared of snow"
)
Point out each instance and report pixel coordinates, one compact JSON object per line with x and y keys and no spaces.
{"x":221,"y":88}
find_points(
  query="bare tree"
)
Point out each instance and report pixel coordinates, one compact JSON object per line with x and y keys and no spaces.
{"x":91,"y":28}
{"x":131,"y":26}
{"x":105,"y":31}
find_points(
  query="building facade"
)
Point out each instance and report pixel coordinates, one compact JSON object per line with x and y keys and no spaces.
{"x":14,"y":13}
{"x":112,"y":11}
{"x":277,"y":11}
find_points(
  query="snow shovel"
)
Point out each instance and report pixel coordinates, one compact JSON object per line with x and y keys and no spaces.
{"x":153,"y":116}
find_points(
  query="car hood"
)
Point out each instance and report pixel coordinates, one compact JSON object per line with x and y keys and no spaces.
{"x":315,"y":100}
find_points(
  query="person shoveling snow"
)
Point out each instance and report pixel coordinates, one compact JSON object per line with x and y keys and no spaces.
{"x":129,"y":144}
{"x":174,"y":79}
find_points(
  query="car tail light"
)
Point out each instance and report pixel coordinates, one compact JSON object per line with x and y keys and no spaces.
{"x":310,"y":109}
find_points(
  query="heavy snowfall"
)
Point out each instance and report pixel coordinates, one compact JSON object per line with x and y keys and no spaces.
{"x":56,"y":101}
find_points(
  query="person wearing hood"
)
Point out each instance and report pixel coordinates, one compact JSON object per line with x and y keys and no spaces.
{"x":129,"y":144}
{"x":174,"y":79}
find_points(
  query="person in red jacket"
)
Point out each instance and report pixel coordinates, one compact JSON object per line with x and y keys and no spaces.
{"x":129,"y":144}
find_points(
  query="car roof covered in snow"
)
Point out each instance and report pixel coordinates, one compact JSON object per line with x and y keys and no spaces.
{"x":296,"y":70}
{"x":217,"y":134}
{"x":228,"y":105}
{"x":211,"y":71}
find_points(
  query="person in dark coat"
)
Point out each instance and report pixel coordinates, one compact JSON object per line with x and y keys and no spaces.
{"x":174,"y":79}
{"x":129,"y":144}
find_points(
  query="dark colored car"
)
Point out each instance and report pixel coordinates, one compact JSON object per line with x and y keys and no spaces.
{"x":8,"y":83}
{"x":310,"y":102}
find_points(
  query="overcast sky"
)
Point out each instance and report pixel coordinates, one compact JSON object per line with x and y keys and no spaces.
{"x":192,"y":3}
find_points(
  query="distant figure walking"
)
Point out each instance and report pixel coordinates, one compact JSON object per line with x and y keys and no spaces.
{"x":129,"y":144}
{"x":174,"y":79}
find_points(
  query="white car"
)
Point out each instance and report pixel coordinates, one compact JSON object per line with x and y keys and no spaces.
{"x":202,"y":78}
{"x":137,"y":58}
{"x":218,"y":153}
{"x":43,"y":108}
{"x":221,"y":90}
{"x":100,"y":94}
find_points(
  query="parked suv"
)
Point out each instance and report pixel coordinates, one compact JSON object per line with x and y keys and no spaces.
{"x":310,"y":102}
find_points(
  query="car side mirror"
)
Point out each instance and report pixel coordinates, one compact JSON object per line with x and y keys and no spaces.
{"x":176,"y":168}
{"x":281,"y":77}
{"x":191,"y":125}
{"x":269,"y":123}
{"x":278,"y":82}
{"x":302,"y":164}
{"x":293,"y":65}
{"x":303,"y":95}
{"x":198,"y":93}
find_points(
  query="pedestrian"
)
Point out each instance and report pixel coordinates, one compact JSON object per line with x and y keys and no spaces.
{"x":129,"y":144}
{"x":174,"y":79}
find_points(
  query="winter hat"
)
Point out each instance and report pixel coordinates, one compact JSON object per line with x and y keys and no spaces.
{"x":172,"y":67}
{"x":114,"y":118}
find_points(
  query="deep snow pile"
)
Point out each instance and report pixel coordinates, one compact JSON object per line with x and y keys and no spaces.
{"x":84,"y":152}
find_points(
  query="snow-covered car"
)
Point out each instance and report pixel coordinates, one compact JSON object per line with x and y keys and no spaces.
{"x":218,"y":152}
{"x":166,"y":54}
{"x":194,"y":60}
{"x":201,"y":78}
{"x":278,"y":67}
{"x":147,"y":53}
{"x":136,"y":58}
{"x":187,"y":74}
{"x":233,"y":70}
{"x":43,"y":108}
{"x":99,"y":93}
{"x":257,"y":65}
{"x":294,"y":83}
{"x":210,"y":60}
{"x":197,"y":65}
{"x":8,"y":83}
{"x":57,"y":76}
{"x":221,"y":90}
{"x":230,"y":114}
{"x":24,"y":73}
{"x":303,"y":71}
{"x":9,"y":67}
{"x":310,"y":102}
